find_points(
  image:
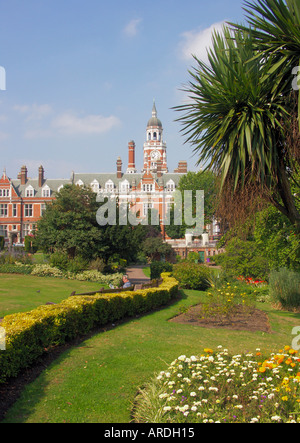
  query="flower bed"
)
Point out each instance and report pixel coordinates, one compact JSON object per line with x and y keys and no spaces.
{"x":30,"y":334}
{"x":219,"y":388}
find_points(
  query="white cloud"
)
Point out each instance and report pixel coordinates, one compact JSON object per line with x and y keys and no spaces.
{"x":41,"y":121}
{"x":34,"y":112}
{"x":131,"y":29}
{"x":196,"y":42}
{"x":70,"y":124}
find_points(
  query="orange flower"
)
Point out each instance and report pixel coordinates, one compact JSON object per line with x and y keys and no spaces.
{"x":208,"y":351}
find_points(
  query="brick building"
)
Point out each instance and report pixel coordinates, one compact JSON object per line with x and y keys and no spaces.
{"x":23,"y":200}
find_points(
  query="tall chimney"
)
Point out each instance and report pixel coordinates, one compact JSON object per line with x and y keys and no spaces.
{"x":119,"y":167}
{"x":41,"y":176}
{"x":131,"y":157}
{"x":23,"y":175}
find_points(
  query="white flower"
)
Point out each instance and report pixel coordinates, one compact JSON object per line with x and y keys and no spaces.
{"x":193,"y":394}
{"x":276,"y":418}
{"x":167,"y":408}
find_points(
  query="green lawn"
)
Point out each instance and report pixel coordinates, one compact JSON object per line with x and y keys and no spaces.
{"x":97,"y":380}
{"x":21,"y":293}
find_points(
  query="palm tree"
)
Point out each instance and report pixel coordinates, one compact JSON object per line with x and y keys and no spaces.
{"x":235,"y":119}
{"x":276,"y":28}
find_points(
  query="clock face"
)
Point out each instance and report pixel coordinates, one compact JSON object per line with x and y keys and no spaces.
{"x":155,"y":155}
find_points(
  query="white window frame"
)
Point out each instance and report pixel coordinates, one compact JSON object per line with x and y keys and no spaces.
{"x":95,"y":186}
{"x":147,"y":187}
{"x":28,"y":210}
{"x":170,"y":186}
{"x":109,"y":186}
{"x":29,"y":191}
{"x":4,"y":210}
{"x":46,"y":192}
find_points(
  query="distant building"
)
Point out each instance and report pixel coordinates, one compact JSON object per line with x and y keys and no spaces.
{"x":23,"y":200}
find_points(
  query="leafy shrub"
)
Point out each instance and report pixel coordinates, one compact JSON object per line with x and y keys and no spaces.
{"x":20,"y":268}
{"x":192,"y":276}
{"x":98,"y":265}
{"x":29,"y":334}
{"x":30,"y":244}
{"x":59,"y":260}
{"x":77,"y":264}
{"x":158,"y":267}
{"x":2,"y":242}
{"x":285,"y":288}
{"x":46,"y":271}
{"x":243,"y":258}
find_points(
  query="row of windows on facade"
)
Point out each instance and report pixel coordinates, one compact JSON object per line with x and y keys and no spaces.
{"x":28,"y":210}
{"x":27,"y":229}
{"x":109,"y":187}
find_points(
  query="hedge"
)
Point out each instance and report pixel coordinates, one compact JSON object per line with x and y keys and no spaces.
{"x":29,"y":335}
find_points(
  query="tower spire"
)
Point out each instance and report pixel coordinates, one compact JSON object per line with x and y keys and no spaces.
{"x":154,"y":110}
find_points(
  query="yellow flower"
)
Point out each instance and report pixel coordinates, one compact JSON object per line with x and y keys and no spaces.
{"x":208,"y":351}
{"x":284,"y":398}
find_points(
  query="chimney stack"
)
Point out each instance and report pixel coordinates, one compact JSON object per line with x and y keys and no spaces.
{"x":182,"y":167}
{"x":41,"y":176}
{"x":119,"y":167}
{"x":131,"y":157}
{"x":23,"y":175}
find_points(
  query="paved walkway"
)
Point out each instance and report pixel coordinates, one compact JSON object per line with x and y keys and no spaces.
{"x":136,"y":275}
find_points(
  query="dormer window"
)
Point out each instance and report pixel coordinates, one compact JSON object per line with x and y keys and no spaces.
{"x":95,"y":186}
{"x":170,"y":187}
{"x":124,"y":187}
{"x":46,"y":192}
{"x":60,"y":188}
{"x":79,"y":183}
{"x":29,"y":191}
{"x":109,"y":186}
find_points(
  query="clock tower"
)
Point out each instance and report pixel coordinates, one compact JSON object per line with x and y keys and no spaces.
{"x":155,"y":149}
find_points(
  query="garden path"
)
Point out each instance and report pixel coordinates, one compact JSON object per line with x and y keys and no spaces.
{"x":136,"y":275}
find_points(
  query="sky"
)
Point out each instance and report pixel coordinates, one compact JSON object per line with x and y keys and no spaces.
{"x":81,"y":77}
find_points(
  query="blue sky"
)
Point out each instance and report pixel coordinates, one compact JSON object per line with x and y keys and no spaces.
{"x":81,"y":76}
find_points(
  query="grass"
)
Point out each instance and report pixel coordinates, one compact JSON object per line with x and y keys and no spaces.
{"x":147,"y":271}
{"x":22,"y":293}
{"x":96,"y":381}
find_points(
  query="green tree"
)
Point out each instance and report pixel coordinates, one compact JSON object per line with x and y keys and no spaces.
{"x":202,"y":181}
{"x":69,"y":224}
{"x":236,"y":120}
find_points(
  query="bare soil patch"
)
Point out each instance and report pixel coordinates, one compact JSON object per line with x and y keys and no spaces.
{"x":256,"y":321}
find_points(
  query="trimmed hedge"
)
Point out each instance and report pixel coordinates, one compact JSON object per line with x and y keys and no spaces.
{"x":30,"y":334}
